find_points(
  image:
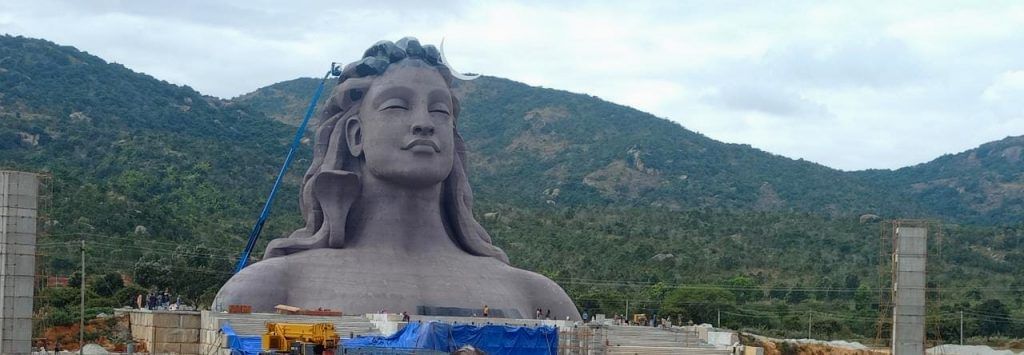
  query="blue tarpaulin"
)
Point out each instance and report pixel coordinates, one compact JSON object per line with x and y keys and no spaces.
{"x":493,"y":339}
{"x":242,"y":344}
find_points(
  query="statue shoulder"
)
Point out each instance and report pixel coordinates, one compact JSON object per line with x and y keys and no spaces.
{"x":535,"y":283}
{"x":547,"y":295}
{"x":262,"y":285}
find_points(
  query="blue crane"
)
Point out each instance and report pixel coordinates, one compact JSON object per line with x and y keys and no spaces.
{"x":254,"y":235}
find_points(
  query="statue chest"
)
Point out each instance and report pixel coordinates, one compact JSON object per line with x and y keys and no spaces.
{"x":369,"y":282}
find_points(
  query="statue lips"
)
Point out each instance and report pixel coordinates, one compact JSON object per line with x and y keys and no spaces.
{"x":424,"y":142}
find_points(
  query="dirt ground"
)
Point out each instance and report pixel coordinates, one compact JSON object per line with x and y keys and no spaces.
{"x":68,"y":336}
{"x":778,"y":347}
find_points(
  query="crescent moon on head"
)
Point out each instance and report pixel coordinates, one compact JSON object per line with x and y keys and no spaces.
{"x":455,"y":73}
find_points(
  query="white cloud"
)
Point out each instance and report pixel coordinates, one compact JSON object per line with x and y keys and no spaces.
{"x":1007,"y":86}
{"x":1003,"y":100}
{"x":765,"y":99}
{"x":851,"y":85}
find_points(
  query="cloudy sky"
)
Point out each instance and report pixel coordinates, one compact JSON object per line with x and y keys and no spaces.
{"x":853,"y":85}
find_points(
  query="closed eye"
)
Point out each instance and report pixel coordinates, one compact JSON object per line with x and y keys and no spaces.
{"x":393,"y":104}
{"x":440,"y":108}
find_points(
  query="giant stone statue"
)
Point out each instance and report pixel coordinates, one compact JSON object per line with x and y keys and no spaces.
{"x":388,"y":208}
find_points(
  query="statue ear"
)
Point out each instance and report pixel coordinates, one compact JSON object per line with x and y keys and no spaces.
{"x":337,"y":191}
{"x":354,"y":136}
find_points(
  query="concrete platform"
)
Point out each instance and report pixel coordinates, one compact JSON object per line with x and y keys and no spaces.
{"x":199,"y":332}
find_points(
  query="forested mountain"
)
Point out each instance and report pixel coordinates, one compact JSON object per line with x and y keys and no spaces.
{"x":144,"y":170}
{"x":983,"y":184}
{"x":592,"y":152}
{"x":613,"y":203}
{"x":143,"y":152}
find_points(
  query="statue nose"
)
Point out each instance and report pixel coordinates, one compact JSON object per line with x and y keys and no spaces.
{"x":422,"y":130}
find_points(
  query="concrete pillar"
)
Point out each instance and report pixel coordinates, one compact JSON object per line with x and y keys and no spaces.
{"x":908,"y":312}
{"x":19,"y":202}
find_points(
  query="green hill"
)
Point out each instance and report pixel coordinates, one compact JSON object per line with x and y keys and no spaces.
{"x":594,"y":152}
{"x":613,"y":203}
{"x":982,"y":184}
{"x":139,"y":167}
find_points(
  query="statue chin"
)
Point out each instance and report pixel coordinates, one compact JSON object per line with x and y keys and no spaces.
{"x":410,"y":177}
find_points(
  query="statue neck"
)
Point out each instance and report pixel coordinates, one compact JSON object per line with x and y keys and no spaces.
{"x":398,"y":219}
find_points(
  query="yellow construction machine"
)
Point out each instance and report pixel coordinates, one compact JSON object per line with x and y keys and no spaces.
{"x":640,"y":319}
{"x":301,"y":338}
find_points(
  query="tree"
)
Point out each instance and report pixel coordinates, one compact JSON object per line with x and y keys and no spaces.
{"x":852,"y":281}
{"x":153,"y":271}
{"x":701,"y":304}
{"x":993,"y":317}
{"x":127,"y":295}
{"x":656,"y":291}
{"x":75,"y":280}
{"x":864,"y":299}
{"x":59,"y":297}
{"x":974,"y":294}
{"x":796,"y":295}
{"x":107,"y":285}
{"x":826,"y":327}
{"x":744,"y":288}
{"x":188,"y":270}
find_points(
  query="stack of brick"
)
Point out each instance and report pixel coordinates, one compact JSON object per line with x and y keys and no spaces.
{"x":167,"y":332}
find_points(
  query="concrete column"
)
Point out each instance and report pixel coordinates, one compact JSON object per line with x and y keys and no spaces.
{"x":19,"y":193}
{"x":908,"y":285}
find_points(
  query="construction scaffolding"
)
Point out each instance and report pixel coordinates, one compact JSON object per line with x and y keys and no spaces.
{"x":582,"y":340}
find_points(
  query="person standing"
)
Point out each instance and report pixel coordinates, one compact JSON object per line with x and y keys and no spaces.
{"x":586,"y":316}
{"x":487,"y":311}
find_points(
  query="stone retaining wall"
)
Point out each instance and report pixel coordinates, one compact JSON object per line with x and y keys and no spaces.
{"x":166,"y":332}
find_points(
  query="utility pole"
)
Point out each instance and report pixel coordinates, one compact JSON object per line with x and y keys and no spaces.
{"x":719,"y":318}
{"x":808,"y":324}
{"x":961,"y":327}
{"x":81,"y":313}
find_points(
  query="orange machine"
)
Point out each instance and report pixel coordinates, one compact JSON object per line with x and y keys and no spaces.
{"x":310,"y":339}
{"x":640,"y":319}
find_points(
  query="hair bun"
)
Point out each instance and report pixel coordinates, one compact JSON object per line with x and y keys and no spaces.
{"x":412,"y":47}
{"x":386,"y":50}
{"x":380,"y":55}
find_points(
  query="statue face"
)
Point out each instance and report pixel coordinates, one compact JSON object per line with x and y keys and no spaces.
{"x":406,"y":127}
